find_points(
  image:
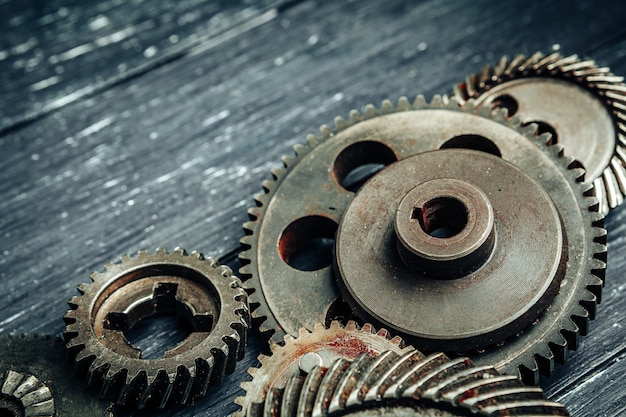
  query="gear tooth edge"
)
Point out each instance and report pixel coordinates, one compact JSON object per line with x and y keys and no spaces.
{"x":370,"y":111}
{"x":420,"y":102}
{"x":437,"y":101}
{"x":529,"y":371}
{"x":403,"y":104}
{"x":312,"y":140}
{"x":387,"y":106}
{"x":325,"y":130}
{"x":178,"y":251}
{"x":160,"y":251}
{"x":459,"y":94}
{"x":559,"y":347}
{"x":300,"y":149}
{"x":199,"y":256}
{"x":319,"y":327}
{"x":351,"y":325}
{"x":334,"y":325}
{"x":340,"y":123}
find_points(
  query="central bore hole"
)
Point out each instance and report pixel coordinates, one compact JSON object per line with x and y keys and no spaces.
{"x":155,"y":334}
{"x":441,"y":217}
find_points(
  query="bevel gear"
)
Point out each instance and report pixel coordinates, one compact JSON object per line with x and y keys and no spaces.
{"x":319,"y":347}
{"x":37,"y":380}
{"x":581,"y":104}
{"x":407,"y":386}
{"x":303,"y":204}
{"x":202,"y":292}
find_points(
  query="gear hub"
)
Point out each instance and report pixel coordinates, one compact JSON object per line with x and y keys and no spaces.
{"x":196,"y":289}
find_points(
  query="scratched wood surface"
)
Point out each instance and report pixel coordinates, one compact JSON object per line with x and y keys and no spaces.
{"x":133,"y":125}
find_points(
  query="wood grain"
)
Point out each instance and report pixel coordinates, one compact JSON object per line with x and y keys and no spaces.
{"x":167,"y":149}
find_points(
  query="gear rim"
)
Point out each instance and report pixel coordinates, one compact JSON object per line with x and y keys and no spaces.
{"x":132,"y":382}
{"x":607,"y":88}
{"x":572,"y":320}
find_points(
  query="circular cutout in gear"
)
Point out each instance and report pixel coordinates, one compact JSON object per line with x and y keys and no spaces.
{"x":308,"y":187}
{"x":466,"y":291}
{"x":311,"y":349}
{"x":580,"y":104}
{"x":431,"y":386}
{"x":197,"y":290}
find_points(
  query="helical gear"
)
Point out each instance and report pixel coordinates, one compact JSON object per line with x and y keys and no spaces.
{"x":199,"y":290}
{"x":583,"y":102}
{"x":407,"y":385}
{"x":306,"y":198}
{"x":312,"y":348}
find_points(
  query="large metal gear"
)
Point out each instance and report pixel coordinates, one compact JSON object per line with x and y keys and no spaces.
{"x":199,"y":290}
{"x":319,"y":347}
{"x":407,"y":386}
{"x":37,"y":380}
{"x":303,"y":205}
{"x":581,"y":104}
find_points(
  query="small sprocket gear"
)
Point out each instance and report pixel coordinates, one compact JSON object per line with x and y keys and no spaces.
{"x":406,"y":386}
{"x":36,"y":380}
{"x":302,"y":206}
{"x":202,"y":292}
{"x":582,"y":105}
{"x":319,"y":347}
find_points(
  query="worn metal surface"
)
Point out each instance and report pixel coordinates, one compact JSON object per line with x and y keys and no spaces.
{"x":198,"y":290}
{"x":580,"y":104}
{"x":310,"y":349}
{"x":409,"y":385}
{"x":307,"y":200}
{"x":54,"y":391}
{"x":442,"y":305}
{"x":171,"y":155}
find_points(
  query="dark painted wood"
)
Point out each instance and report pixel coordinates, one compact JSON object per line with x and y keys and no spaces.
{"x":169,"y":152}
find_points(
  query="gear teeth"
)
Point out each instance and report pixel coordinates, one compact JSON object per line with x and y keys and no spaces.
{"x":333,"y":342}
{"x":455,"y":386}
{"x":404,"y":104}
{"x":135,"y":383}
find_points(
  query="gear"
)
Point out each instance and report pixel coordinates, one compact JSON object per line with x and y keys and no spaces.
{"x":196,"y":289}
{"x":431,"y":386}
{"x":303,"y":205}
{"x":581,"y":104}
{"x":321,"y":347}
{"x":36,"y":380}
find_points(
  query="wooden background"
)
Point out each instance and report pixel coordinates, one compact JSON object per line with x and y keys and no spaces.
{"x":127,"y":125}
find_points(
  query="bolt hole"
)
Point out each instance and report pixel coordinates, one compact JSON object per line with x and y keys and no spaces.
{"x":359,"y":162}
{"x":441,"y":217}
{"x":307,"y":243}
{"x":475,"y":142}
{"x":507,"y":102}
{"x":156,"y":334}
{"x":543,"y":127}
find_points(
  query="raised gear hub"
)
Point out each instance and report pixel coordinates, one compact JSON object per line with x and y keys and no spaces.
{"x":581,"y":104}
{"x":308,"y":197}
{"x":408,"y":385}
{"x":508,"y":251}
{"x":208,"y":296}
{"x":310,"y":349}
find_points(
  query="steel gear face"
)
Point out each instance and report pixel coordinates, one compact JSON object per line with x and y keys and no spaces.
{"x":581,"y":104}
{"x":407,"y":386}
{"x":37,"y":380}
{"x":321,"y":347}
{"x":305,"y":202}
{"x":199,"y":290}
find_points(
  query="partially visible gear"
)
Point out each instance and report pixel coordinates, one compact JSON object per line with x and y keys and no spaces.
{"x":24,"y":395}
{"x":581,"y":104}
{"x":208,"y":296}
{"x":321,"y":347}
{"x":37,"y":380}
{"x":301,"y":208}
{"x":432,"y":386}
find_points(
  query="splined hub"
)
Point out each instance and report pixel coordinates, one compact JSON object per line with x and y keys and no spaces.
{"x":464,"y":238}
{"x":191,"y":287}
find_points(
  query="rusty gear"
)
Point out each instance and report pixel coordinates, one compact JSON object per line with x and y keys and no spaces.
{"x":308,"y":197}
{"x":581,"y":104}
{"x":196,"y":289}
{"x":320,"y":347}
{"x":406,"y":386}
{"x":37,"y":380}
